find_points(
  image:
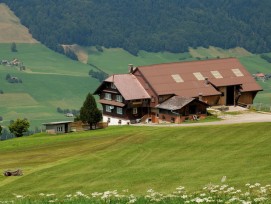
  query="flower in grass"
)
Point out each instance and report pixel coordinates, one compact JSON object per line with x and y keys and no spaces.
{"x":41,"y":194}
{"x":223,"y":179}
{"x":50,"y":194}
{"x":260,"y":199}
{"x":248,"y":184}
{"x":257,"y":184}
{"x":96,"y":194}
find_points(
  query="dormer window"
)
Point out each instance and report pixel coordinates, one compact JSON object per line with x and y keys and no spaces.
{"x":113,"y":86}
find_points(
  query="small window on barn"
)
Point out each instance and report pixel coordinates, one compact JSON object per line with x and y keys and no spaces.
{"x":199,"y":76}
{"x":177,"y":78}
{"x":217,"y":74}
{"x":237,"y":72}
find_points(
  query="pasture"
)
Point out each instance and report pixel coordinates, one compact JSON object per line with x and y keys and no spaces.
{"x":137,"y":158}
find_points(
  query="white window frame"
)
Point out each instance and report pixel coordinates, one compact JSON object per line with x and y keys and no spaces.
{"x":108,"y":96}
{"x":108,"y":108}
{"x":119,"y":98}
{"x":113,"y":86}
{"x":119,"y":111}
{"x":134,"y":111}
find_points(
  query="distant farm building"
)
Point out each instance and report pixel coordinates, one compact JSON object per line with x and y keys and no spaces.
{"x":58,"y":127}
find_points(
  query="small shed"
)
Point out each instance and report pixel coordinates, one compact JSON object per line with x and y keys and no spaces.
{"x":178,"y":109}
{"x":58,"y":127}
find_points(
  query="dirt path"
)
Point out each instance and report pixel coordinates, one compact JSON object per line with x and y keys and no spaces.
{"x":245,"y":117}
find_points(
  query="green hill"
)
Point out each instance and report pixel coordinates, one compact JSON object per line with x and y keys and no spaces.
{"x":137,"y":158}
{"x":50,"y":80}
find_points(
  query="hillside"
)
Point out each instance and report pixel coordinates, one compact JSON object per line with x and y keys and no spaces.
{"x":11,"y":28}
{"x":152,"y":26}
{"x":137,"y":158}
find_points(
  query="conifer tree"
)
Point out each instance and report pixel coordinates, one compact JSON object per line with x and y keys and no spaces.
{"x":89,"y":112}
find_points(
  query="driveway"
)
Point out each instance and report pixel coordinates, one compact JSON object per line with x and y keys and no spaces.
{"x":229,"y":117}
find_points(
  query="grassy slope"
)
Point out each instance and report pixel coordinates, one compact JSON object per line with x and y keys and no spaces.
{"x":51,"y":80}
{"x":137,"y":158}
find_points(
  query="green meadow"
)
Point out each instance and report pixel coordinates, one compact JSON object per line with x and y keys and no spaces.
{"x":138,"y":159}
{"x":52,"y":80}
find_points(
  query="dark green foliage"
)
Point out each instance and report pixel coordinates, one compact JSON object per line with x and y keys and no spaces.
{"x":1,"y":118}
{"x":89,"y":112}
{"x":8,"y":76}
{"x":1,"y":91}
{"x":98,"y":75}
{"x":13,"y":47}
{"x":0,"y":129}
{"x":151,"y":25}
{"x":19,"y":127}
{"x":266,"y":57}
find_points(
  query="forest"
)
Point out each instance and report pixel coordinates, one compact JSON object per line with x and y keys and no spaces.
{"x":150,"y":25}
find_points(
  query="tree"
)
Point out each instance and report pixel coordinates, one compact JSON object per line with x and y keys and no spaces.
{"x":89,"y":112}
{"x":19,"y":127}
{"x":13,"y":47}
{"x":0,"y":129}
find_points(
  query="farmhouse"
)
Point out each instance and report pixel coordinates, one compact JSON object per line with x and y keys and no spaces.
{"x":173,"y":92}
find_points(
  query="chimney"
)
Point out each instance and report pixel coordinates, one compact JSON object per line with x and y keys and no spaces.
{"x":200,"y":97}
{"x":206,"y":80}
{"x":130,"y":68}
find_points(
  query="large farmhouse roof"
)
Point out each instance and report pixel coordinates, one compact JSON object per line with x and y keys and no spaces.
{"x":128,"y":86}
{"x":189,"y":79}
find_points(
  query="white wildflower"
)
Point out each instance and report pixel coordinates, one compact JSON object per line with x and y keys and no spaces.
{"x":223,"y":179}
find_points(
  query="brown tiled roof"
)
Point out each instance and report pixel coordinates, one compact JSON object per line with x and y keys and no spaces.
{"x":128,"y":86}
{"x":175,"y":103}
{"x":160,"y":77}
{"x":113,"y":103}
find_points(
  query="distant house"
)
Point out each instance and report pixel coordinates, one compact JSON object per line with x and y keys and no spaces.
{"x":58,"y":127}
{"x":148,"y":93}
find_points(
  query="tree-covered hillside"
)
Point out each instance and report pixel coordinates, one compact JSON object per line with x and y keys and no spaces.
{"x":151,"y":25}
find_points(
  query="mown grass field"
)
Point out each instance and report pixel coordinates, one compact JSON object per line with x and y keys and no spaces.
{"x":137,"y":158}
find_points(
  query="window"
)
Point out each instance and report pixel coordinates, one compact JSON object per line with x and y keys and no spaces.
{"x":113,"y":86}
{"x":134,"y":111}
{"x":217,"y":74}
{"x":199,"y":76}
{"x":177,"y":78}
{"x":59,"y":129}
{"x":107,"y":96}
{"x":108,"y":108}
{"x":237,"y":72}
{"x":119,"y":98}
{"x":119,"y":111}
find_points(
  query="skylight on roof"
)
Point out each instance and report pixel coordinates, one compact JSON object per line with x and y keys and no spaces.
{"x":177,"y":78}
{"x":217,"y":74}
{"x":237,"y":72}
{"x":199,"y":76}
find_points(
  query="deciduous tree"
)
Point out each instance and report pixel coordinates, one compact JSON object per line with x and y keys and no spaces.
{"x":19,"y":127}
